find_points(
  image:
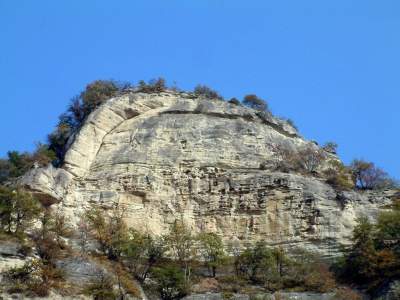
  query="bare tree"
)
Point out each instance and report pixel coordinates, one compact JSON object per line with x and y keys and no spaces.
{"x":368,"y":176}
{"x":310,"y":158}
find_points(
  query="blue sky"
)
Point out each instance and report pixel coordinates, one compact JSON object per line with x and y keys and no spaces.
{"x":331,"y":66}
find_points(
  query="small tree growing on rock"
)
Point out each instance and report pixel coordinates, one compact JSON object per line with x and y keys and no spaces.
{"x":153,"y":86}
{"x":110,"y":231}
{"x":254,"y":102}
{"x":18,"y":210}
{"x":338,"y":175}
{"x":367,"y":176}
{"x":310,"y":158}
{"x":141,"y":252}
{"x":234,"y":101}
{"x":96,"y":93}
{"x":207,"y":92}
{"x":330,"y":147}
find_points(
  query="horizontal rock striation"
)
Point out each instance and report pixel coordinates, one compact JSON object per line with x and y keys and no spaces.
{"x":169,"y":156}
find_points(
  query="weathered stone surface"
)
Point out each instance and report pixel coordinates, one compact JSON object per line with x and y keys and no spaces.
{"x":169,"y":156}
{"x":264,"y":296}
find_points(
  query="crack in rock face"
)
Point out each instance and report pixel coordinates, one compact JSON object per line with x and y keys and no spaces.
{"x":167,"y":156}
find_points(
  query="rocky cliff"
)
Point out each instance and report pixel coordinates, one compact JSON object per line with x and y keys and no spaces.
{"x":167,"y":156}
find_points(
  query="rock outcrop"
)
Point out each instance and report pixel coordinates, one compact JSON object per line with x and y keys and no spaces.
{"x":167,"y":156}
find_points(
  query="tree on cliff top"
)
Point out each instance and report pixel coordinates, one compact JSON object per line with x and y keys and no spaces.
{"x":253,"y":101}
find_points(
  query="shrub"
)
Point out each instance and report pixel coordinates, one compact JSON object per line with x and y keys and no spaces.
{"x":34,"y":277}
{"x":338,"y":175}
{"x":59,"y":138}
{"x":141,"y":252}
{"x":388,"y":230}
{"x":48,"y":238}
{"x":96,"y":93}
{"x":18,"y":163}
{"x":254,"y":102}
{"x":153,"y":86}
{"x":310,"y":158}
{"x":359,"y":261}
{"x":330,"y":147}
{"x":18,"y":210}
{"x":206,"y":92}
{"x":254,"y":262}
{"x":234,"y":101}
{"x":319,"y":278}
{"x":170,"y":282}
{"x":102,"y":288}
{"x":286,"y":158}
{"x":110,"y":231}
{"x":374,"y":256}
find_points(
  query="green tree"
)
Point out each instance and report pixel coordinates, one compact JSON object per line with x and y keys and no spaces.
{"x":18,"y":209}
{"x":361,"y":259}
{"x":141,"y":252}
{"x":212,"y":251}
{"x":255,"y":261}
{"x":170,"y":282}
{"x":181,"y":242}
{"x":109,"y":230}
{"x":97,"y":92}
{"x":388,"y":230}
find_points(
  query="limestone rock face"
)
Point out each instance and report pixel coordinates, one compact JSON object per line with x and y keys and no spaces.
{"x":162,"y":157}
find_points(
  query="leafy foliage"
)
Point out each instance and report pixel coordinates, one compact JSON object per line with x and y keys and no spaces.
{"x":253,"y":101}
{"x":18,"y":210}
{"x":141,"y":252}
{"x":181,"y":242}
{"x":339,"y":176}
{"x":95,"y":94}
{"x":170,"y":282}
{"x":207,"y":92}
{"x":212,"y":251}
{"x":33,"y":278}
{"x":110,"y":231}
{"x":18,"y":163}
{"x":276,"y":270}
{"x":153,"y":86}
{"x":374,"y":256}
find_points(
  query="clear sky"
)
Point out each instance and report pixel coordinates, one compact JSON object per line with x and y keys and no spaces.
{"x":331,"y":66}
